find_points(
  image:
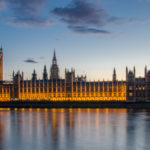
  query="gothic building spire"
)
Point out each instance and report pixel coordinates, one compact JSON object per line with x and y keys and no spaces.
{"x":45,"y":77}
{"x":13,"y":74}
{"x":34,"y":75}
{"x":54,"y":54}
{"x":22,"y":77}
{"x":126,"y":73}
{"x":45,"y":70}
{"x":54,"y":71}
{"x":134,"y":71}
{"x":54,"y":61}
{"x":145,"y":73}
{"x":114,"y":75}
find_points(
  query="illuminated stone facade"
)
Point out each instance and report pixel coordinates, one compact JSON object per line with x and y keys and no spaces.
{"x":138,"y":89}
{"x":5,"y":91}
{"x":58,"y":90}
{"x":73,"y":88}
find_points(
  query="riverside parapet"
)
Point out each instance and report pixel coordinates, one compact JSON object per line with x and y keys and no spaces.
{"x":72,"y":104}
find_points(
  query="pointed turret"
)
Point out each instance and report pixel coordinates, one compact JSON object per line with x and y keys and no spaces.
{"x":134,"y":70}
{"x":34,"y":75}
{"x":18,"y":76}
{"x":45,"y":70}
{"x":22,"y":76}
{"x":45,"y":76}
{"x":54,"y":54}
{"x":13,"y":75}
{"x":145,"y":72}
{"x":114,"y":75}
{"x":126,"y":73}
{"x":54,"y":58}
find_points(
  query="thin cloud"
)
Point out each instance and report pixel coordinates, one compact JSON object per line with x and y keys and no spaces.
{"x":30,"y":60}
{"x":138,"y":21}
{"x":85,"y":30}
{"x":30,"y":21}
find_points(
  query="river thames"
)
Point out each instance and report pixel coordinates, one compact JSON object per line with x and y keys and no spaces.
{"x":74,"y":129}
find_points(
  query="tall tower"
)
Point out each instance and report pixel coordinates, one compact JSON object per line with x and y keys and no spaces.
{"x":54,"y":71}
{"x":1,"y":64}
{"x":131,"y":87}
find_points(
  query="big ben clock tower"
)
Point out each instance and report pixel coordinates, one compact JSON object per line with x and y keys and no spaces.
{"x":1,"y":64}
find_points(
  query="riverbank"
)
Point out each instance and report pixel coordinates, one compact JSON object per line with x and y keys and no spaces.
{"x":74,"y":104}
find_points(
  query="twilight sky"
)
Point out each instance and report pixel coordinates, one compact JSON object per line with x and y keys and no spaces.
{"x":92,"y":36}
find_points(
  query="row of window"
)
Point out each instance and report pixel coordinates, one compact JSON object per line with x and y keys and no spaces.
{"x":88,"y":94}
{"x":4,"y":90}
{"x":68,"y":89}
{"x":137,"y":88}
{"x":74,"y":86}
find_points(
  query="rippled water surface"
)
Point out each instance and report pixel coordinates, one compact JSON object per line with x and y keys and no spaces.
{"x":74,"y":129}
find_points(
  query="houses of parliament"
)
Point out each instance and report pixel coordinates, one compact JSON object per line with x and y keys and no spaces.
{"x":72,"y":87}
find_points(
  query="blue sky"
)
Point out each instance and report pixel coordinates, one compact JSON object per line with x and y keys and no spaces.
{"x":92,"y":36}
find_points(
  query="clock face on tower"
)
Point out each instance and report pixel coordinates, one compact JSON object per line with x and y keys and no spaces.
{"x":0,"y":55}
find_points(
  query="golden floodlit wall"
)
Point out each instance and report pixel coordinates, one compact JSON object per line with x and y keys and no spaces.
{"x":5,"y":92}
{"x":76,"y":91}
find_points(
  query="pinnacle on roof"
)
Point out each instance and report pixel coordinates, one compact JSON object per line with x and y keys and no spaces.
{"x":114,"y":70}
{"x":54,"y":57}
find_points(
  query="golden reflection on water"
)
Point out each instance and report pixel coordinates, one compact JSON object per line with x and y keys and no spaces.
{"x":4,"y":109}
{"x":98,"y":128}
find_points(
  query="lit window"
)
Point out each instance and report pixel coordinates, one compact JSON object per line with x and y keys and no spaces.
{"x":130,"y":94}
